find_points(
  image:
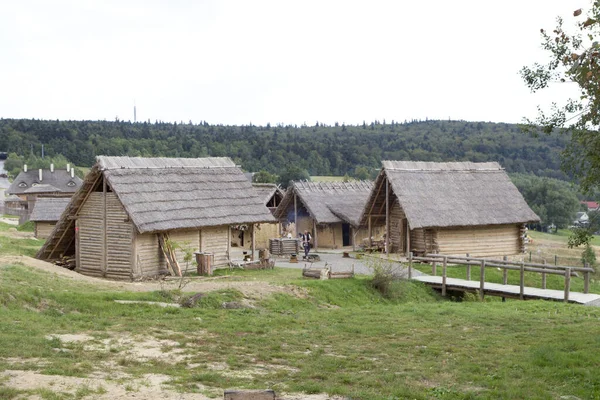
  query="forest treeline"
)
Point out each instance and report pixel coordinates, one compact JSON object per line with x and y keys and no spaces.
{"x":319,"y":149}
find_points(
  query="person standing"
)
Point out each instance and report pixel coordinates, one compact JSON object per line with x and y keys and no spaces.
{"x":306,"y":241}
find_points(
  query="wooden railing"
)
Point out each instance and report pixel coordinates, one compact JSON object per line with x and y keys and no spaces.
{"x":505,"y":265}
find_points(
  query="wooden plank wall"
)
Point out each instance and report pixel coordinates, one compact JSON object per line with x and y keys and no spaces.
{"x":397,"y":236}
{"x":91,"y":232}
{"x":149,"y":259}
{"x":422,"y":241}
{"x":329,"y":236}
{"x":214,"y":240}
{"x":187,"y":239}
{"x":119,"y":240}
{"x":480,"y":241}
{"x":43,"y":229}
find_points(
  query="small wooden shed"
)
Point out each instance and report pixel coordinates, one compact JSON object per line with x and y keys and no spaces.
{"x":113,"y":224}
{"x":331,"y":211}
{"x":450,"y":208}
{"x":46,"y":213}
{"x":271,"y":196}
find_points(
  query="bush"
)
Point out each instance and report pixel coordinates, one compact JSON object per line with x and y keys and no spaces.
{"x":26,"y":227}
{"x":384,"y":275}
{"x":589,"y":256}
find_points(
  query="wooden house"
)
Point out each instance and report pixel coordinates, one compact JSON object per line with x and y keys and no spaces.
{"x":29,"y":185}
{"x":271,"y":196}
{"x":331,"y":211}
{"x":453,"y":208}
{"x":46,"y":213}
{"x":126,"y":206}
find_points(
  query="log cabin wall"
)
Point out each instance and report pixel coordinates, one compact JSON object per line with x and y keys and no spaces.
{"x":480,"y":241}
{"x":423,"y":241}
{"x":214,"y":240}
{"x":397,"y":234}
{"x":43,"y":229}
{"x":185,"y":240}
{"x":104,"y":238}
{"x":149,"y":260}
{"x":90,"y":234}
{"x":329,"y":236}
{"x":119,"y":240}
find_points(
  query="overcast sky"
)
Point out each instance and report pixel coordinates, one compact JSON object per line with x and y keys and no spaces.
{"x":236,"y":62}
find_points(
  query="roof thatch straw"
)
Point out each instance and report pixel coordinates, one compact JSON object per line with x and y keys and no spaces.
{"x":162,"y":194}
{"x":328,"y":202}
{"x":48,"y":209}
{"x":452,"y":194}
{"x":265,"y":191}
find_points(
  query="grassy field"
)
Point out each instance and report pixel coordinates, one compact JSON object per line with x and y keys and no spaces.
{"x":339,"y":337}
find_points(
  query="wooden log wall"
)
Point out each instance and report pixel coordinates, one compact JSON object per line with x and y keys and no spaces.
{"x":90,"y":226}
{"x":214,"y":240}
{"x":148,"y":257}
{"x":422,"y":241}
{"x":480,"y":241}
{"x":119,"y":240}
{"x":185,"y":239}
{"x":105,"y":247}
{"x":397,"y":234}
{"x":43,"y":229}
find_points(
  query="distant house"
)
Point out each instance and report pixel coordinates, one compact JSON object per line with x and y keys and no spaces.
{"x":29,"y":185}
{"x":126,"y":206}
{"x":329,"y":210}
{"x":591,"y":205}
{"x":581,"y":219}
{"x":450,"y":208}
{"x":46,"y":213}
{"x":271,"y":196}
{"x":15,"y":203}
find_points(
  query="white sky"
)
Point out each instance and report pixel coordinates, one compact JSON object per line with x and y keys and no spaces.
{"x":236,"y":62}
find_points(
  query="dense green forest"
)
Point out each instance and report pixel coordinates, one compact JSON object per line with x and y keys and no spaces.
{"x":318,"y":149}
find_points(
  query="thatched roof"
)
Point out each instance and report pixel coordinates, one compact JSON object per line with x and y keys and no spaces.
{"x":49,"y":209}
{"x":42,"y":189}
{"x":60,"y":179}
{"x":328,"y":202}
{"x":14,"y":198}
{"x":162,"y":194}
{"x":450,"y":194}
{"x":265,"y":191}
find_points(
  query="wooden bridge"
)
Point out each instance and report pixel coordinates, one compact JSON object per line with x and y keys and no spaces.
{"x":445,"y":284}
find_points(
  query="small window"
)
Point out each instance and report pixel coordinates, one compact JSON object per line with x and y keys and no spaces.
{"x":71,"y":183}
{"x":22,"y":184}
{"x":34,"y":184}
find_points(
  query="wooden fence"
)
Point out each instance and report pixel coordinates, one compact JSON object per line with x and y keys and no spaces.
{"x":543,"y":269}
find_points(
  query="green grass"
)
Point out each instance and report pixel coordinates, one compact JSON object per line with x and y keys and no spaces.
{"x":15,"y":247}
{"x":562,"y":235}
{"x":342,"y":339}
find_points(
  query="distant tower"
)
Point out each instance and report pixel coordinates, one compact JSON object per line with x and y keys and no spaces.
{"x":134,"y":113}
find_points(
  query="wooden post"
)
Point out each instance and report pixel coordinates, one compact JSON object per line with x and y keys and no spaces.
{"x":482,"y":280}
{"x":410,"y":256}
{"x":544,"y":276}
{"x":370,"y":232}
{"x":555,"y":259}
{"x":586,"y":280}
{"x":444,"y":276}
{"x":505,"y":274}
{"x":315,"y":235}
{"x":522,"y":281}
{"x":468,"y":268}
{"x":407,"y":236}
{"x":104,"y":229}
{"x":228,"y":242}
{"x":434,"y":268}
{"x":253,"y":242}
{"x":567,"y":283}
{"x":295,"y":216}
{"x":387,"y":217}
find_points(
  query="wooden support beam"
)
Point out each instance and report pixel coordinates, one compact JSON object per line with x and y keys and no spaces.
{"x":295,"y":215}
{"x":387,"y":217}
{"x":407,"y":235}
{"x":444,"y":265}
{"x":253,"y":241}
{"x":482,"y":281}
{"x":370,"y":232}
{"x":522,"y":281}
{"x":316,"y":238}
{"x":468,"y":268}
